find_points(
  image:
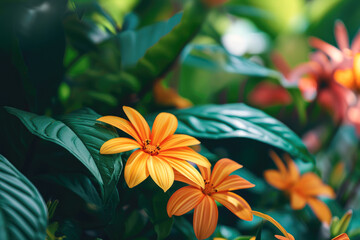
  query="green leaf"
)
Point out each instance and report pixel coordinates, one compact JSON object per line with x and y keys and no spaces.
{"x":215,"y":58}
{"x":82,"y":186}
{"x":156,"y":209}
{"x":258,"y":234}
{"x":240,"y":121}
{"x":160,"y":57}
{"x":134,"y":44}
{"x":22,"y":210}
{"x":78,"y":133}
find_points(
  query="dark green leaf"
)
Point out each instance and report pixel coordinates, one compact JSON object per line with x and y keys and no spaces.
{"x":78,"y":133}
{"x":160,"y":57}
{"x":134,"y":44}
{"x":258,"y":234}
{"x":156,"y":209}
{"x":22,"y":210}
{"x":240,"y":121}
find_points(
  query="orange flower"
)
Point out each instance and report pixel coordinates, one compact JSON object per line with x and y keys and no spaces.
{"x":218,"y":185}
{"x":169,"y":97}
{"x":346,"y":60}
{"x":340,"y":237}
{"x":161,"y":153}
{"x":302,"y":189}
{"x":343,"y":236}
{"x":338,"y":56}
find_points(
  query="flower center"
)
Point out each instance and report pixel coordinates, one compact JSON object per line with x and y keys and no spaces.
{"x":149,"y":148}
{"x":209,"y":188}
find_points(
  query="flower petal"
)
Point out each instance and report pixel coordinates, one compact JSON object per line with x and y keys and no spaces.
{"x":179,"y":140}
{"x":343,"y":236}
{"x":135,"y":169}
{"x":165,"y":125}
{"x":285,"y":238}
{"x":275,"y":179}
{"x":273,"y":221}
{"x":341,"y":35}
{"x":345,"y":77}
{"x":161,"y":172}
{"x":205,"y":172}
{"x":121,"y":124}
{"x":184,"y":200}
{"x":356,"y":67}
{"x":222,"y":169}
{"x":293,"y":172}
{"x":118,"y":145}
{"x":205,"y":218}
{"x":279,"y":163}
{"x":236,"y":204}
{"x":311,"y":185}
{"x":187,"y":171}
{"x":186,"y":153}
{"x":297,"y":201}
{"x":233,"y":182}
{"x":320,"y":209}
{"x":334,"y":53}
{"x":138,"y":122}
{"x":355,"y":46}
{"x":181,"y":178}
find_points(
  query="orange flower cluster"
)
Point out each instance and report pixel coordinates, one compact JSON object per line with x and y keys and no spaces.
{"x":164,"y":156}
{"x":331,"y":77}
{"x":302,"y":189}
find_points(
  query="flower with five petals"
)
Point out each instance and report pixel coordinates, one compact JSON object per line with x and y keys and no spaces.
{"x":161,"y":153}
{"x":302,"y":189}
{"x":218,"y":186}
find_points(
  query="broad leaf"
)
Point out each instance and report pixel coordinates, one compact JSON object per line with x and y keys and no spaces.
{"x":160,"y":57}
{"x":22,"y":211}
{"x":134,"y":44}
{"x":83,"y":187}
{"x":81,"y":136}
{"x":240,"y":121}
{"x":155,"y":207}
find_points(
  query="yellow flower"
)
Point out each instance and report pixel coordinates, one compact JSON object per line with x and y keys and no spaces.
{"x":161,"y":153}
{"x":218,"y":185}
{"x":302,"y":189}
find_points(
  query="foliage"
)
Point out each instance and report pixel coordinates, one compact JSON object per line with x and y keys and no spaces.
{"x":67,"y":63}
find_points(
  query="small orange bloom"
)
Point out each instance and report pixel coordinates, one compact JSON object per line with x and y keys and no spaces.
{"x":161,"y":153}
{"x":343,"y":236}
{"x":302,"y":189}
{"x":169,"y":97}
{"x":218,"y":185}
